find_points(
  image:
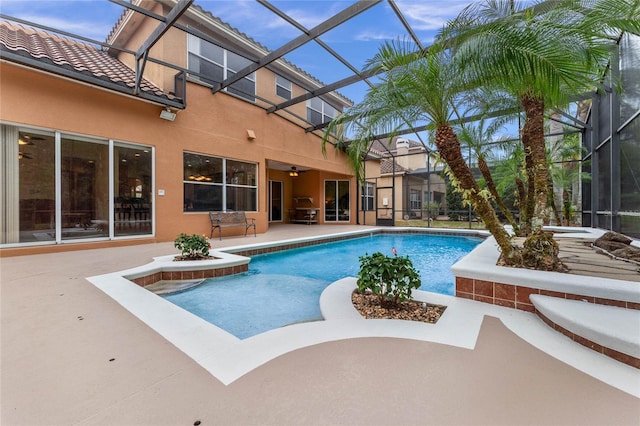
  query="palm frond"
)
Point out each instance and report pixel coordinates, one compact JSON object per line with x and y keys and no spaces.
{"x":542,"y":54}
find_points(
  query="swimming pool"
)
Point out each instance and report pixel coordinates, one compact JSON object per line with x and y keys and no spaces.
{"x":284,"y":287}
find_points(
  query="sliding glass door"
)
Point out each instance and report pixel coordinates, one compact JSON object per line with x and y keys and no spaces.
{"x":56,"y":187}
{"x":336,"y":201}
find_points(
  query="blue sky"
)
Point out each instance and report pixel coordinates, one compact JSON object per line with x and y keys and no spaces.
{"x":357,"y":40}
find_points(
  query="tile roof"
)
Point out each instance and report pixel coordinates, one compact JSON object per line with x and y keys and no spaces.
{"x":71,"y":55}
{"x":386,"y":166}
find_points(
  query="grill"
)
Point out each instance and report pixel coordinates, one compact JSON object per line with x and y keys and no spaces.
{"x":304,"y":212}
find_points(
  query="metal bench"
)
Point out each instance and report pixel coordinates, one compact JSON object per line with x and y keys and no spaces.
{"x":225,"y":219}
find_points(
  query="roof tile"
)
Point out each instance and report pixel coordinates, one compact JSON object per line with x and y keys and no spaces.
{"x":387,"y":166}
{"x":67,"y":53}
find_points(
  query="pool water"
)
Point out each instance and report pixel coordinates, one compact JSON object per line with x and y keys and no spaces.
{"x":284,"y":287}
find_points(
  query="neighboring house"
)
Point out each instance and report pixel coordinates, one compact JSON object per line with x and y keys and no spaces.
{"x":91,"y":152}
{"x":403,"y":178}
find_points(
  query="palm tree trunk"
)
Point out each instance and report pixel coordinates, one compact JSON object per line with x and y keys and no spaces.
{"x":486,"y":174}
{"x":566,"y":207}
{"x":449,"y":148}
{"x":552,"y":202}
{"x":534,"y":145}
{"x":529,"y":199}
{"x":522,"y":203}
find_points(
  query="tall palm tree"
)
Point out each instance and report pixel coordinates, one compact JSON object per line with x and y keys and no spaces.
{"x":419,"y":86}
{"x":510,"y":177}
{"x":564,"y":168}
{"x":478,"y":136}
{"x":540,"y":55}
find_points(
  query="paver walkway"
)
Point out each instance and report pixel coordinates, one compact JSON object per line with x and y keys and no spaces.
{"x":72,"y":355}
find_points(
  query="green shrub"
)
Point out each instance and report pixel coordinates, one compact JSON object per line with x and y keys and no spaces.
{"x":432,"y":208}
{"x":192,"y":246}
{"x":391,"y":278}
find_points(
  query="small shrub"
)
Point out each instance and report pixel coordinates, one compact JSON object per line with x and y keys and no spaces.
{"x":390,"y":278}
{"x":431,"y":208}
{"x":192,"y":246}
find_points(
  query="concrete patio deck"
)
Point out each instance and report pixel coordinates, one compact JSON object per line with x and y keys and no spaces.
{"x":72,"y":355}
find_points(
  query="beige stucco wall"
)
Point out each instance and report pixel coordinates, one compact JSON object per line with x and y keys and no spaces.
{"x":212,"y":124}
{"x":166,"y":49}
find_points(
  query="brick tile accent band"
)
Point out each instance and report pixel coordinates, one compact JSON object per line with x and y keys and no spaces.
{"x":515,"y":296}
{"x":190,"y":275}
{"x":618,"y":356}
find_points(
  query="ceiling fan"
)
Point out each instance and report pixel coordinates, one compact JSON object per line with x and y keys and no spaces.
{"x":28,"y":139}
{"x":294,"y":172}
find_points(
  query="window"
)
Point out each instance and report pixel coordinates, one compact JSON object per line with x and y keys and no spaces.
{"x":415,"y":203}
{"x":47,"y":198}
{"x":319,"y":112}
{"x":367,"y":196}
{"x":283,"y":87}
{"x":336,"y":201}
{"x":215,"y":64}
{"x":219,"y":184}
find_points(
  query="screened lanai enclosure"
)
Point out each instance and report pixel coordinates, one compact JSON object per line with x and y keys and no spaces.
{"x":404,"y":181}
{"x":611,"y":138}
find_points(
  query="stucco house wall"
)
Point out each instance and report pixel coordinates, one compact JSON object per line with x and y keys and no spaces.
{"x":212,"y":124}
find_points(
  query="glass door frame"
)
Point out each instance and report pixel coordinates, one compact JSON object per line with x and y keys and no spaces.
{"x":271,"y":199}
{"x":336,"y":203}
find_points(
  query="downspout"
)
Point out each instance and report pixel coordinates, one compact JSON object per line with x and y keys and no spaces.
{"x":595,"y":141}
{"x":358,"y":198}
{"x":393,"y":191}
{"x":430,"y":200}
{"x":614,"y":111}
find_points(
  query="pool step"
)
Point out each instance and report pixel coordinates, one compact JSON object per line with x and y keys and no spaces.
{"x":165,"y":287}
{"x":610,"y":330}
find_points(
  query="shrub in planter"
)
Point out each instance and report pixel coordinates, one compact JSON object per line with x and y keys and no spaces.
{"x":192,"y":247}
{"x":392,"y":279}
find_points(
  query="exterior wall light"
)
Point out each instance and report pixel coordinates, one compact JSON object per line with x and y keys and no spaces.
{"x":167,"y":114}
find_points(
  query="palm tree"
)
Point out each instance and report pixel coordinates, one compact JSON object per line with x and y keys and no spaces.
{"x":539,"y":55}
{"x":477,"y":136}
{"x":419,"y":86}
{"x":510,"y":177}
{"x":565,"y":171}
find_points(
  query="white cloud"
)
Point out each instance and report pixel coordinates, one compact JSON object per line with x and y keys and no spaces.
{"x":92,"y":19}
{"x":432,"y":15}
{"x":374,"y":36}
{"x":93,"y":30}
{"x":257,"y":20}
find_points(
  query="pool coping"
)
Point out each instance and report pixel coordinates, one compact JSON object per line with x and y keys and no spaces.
{"x":228,"y":358}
